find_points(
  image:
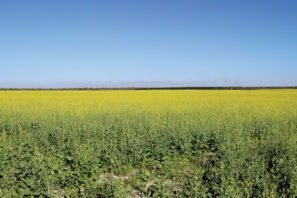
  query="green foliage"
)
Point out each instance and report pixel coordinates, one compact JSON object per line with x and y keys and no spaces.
{"x":184,"y":153}
{"x":67,"y":155}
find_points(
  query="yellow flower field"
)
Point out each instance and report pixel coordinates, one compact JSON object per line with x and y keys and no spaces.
{"x":175,"y":142}
{"x":157,"y":101}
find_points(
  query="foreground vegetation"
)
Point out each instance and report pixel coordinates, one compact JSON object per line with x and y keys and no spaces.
{"x":158,"y":143}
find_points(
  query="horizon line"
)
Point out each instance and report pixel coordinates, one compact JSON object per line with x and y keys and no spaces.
{"x":159,"y":88}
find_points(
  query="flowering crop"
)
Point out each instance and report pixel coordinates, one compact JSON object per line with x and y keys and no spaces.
{"x":164,"y":143}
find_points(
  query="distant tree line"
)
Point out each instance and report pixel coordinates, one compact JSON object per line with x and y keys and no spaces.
{"x":158,"y":88}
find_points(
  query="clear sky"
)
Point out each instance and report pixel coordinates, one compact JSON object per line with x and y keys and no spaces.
{"x":83,"y":43}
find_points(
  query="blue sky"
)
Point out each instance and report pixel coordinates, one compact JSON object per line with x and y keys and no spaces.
{"x":72,"y":43}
